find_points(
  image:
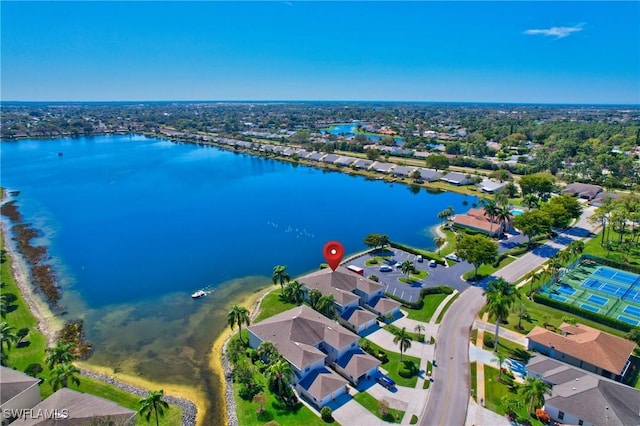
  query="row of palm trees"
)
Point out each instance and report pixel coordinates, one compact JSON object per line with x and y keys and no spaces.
{"x":496,"y":210}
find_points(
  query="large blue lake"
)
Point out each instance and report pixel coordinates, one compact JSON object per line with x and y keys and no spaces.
{"x":135,"y":225}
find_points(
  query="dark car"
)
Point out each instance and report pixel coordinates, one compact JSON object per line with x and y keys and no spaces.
{"x":386,"y":381}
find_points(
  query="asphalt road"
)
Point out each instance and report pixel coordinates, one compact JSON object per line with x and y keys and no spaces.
{"x":450,"y":390}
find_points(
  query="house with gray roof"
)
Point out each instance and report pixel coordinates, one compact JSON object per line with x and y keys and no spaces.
{"x":457,"y":178}
{"x":315,"y":156}
{"x":603,"y":196}
{"x":491,"y":187}
{"x":18,"y":391}
{"x":402,"y":170}
{"x":362,"y":164}
{"x":582,"y":190}
{"x":312,"y":344}
{"x":582,"y":398}
{"x":381,"y":167}
{"x":70,"y":407}
{"x":429,"y":175}
{"x":330,"y":158}
{"x":344,"y":161}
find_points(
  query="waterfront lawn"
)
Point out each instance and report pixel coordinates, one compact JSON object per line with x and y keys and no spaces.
{"x":34,"y":353}
{"x":274,"y":411}
{"x":272,"y":305}
{"x":393,"y":363}
{"x":446,"y":307}
{"x":495,"y":390}
{"x":506,"y":347}
{"x":373,"y":405}
{"x":450,"y":247}
{"x":430,"y":304}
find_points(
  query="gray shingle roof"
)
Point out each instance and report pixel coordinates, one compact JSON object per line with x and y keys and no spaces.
{"x":322,"y":383}
{"x":357,"y":363}
{"x":13,"y":382}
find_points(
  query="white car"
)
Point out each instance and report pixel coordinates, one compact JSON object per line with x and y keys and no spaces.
{"x":454,"y":257}
{"x":398,"y":265}
{"x":385,"y":268}
{"x":432,"y":263}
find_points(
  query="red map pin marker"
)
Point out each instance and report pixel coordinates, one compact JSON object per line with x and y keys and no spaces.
{"x":333,"y":252}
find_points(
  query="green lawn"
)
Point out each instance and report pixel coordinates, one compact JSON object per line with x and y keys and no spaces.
{"x":392,"y":365}
{"x":275,"y":411}
{"x":506,"y":347}
{"x":272,"y":305}
{"x":34,"y":353}
{"x":431,"y":303}
{"x":488,"y":269}
{"x":373,"y":405}
{"x":495,"y":390}
{"x":451,"y":242}
{"x":617,"y":253}
{"x":394,"y":330}
{"x":446,"y":307}
{"x":474,"y":379}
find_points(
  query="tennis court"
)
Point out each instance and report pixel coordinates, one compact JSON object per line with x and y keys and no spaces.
{"x":598,"y":300}
{"x":599,"y":289}
{"x":627,"y":319}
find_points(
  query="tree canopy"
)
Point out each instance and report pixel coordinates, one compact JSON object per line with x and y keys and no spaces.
{"x":477,"y":250}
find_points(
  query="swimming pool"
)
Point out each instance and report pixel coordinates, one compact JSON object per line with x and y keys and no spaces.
{"x":516,"y":212}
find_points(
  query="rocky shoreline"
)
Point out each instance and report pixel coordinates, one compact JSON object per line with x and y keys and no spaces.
{"x":189,"y":409}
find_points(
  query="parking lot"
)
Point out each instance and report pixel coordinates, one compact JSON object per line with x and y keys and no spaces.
{"x":440,"y":275}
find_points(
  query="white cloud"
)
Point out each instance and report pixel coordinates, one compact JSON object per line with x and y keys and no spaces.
{"x":557,"y":32}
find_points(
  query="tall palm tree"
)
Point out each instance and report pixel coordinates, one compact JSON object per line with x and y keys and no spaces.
{"x":504,"y":216}
{"x":61,"y":353}
{"x":534,"y":390}
{"x":153,"y":405}
{"x":439,"y":242}
{"x":62,"y":374}
{"x":280,"y":275}
{"x":314,"y":298}
{"x":499,"y":358}
{"x":419,"y":328}
{"x":576,"y":248}
{"x":326,"y":306}
{"x":530,"y":200}
{"x":521,"y":311}
{"x":7,"y":336}
{"x":238,"y":315}
{"x":279,"y":376}
{"x":500,"y":298}
{"x":296,"y":291}
{"x":407,"y":267}
{"x":490,"y":209}
{"x":403,"y":340}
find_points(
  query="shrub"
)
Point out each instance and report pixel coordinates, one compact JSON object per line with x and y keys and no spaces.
{"x":248,"y":392}
{"x":543,"y":416}
{"x":374,"y":278}
{"x":326,"y":413}
{"x":405,"y":372}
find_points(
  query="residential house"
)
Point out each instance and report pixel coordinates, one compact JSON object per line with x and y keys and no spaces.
{"x":583,"y":398}
{"x":356,"y":297}
{"x":402,"y":170}
{"x":582,"y":190}
{"x":457,"y":178}
{"x":602,"y":196}
{"x":362,"y":164}
{"x":330,"y":158}
{"x":479,"y":220}
{"x":312,"y":344}
{"x":17,"y":391}
{"x":315,"y":156}
{"x":381,"y":167}
{"x":70,"y":407}
{"x":344,"y":161}
{"x":429,"y":175}
{"x":585,"y":347}
{"x":491,"y":187}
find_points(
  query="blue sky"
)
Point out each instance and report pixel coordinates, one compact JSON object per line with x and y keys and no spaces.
{"x":549,"y":52}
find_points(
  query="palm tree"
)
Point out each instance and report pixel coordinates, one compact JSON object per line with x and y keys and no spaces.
{"x":326,"y":306}
{"x":499,"y":358}
{"x":403,"y":340}
{"x":439,"y":242}
{"x":419,"y":328}
{"x":504,"y":216}
{"x":521,"y":311}
{"x":153,"y":404}
{"x":280,"y":275}
{"x":279,"y":376}
{"x":534,"y":390}
{"x":407,"y":267}
{"x":314,"y":298}
{"x":61,"y":353}
{"x":238,"y":315}
{"x":490,"y":209}
{"x":530,"y":200}
{"x":62,"y":374}
{"x":576,"y":248}
{"x":296,"y":291}
{"x":500,"y":298}
{"x":7,"y":336}
{"x":268,"y":351}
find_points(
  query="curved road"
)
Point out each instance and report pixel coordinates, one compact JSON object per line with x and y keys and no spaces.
{"x":450,"y":391}
{"x":449,"y":397}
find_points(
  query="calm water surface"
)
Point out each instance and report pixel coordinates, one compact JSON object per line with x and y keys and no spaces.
{"x":135,"y":225}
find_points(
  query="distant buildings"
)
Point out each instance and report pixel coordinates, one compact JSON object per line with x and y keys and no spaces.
{"x":582,"y":190}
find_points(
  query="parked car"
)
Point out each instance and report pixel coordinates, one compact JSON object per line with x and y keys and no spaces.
{"x":432,"y":263}
{"x":398,"y":265}
{"x":385,"y":268}
{"x":385,"y":381}
{"x":419,"y":258}
{"x":454,"y":257}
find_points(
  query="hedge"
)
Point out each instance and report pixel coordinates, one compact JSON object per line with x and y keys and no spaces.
{"x":441,"y":289}
{"x":599,"y":318}
{"x":424,"y":253}
{"x":608,"y":262}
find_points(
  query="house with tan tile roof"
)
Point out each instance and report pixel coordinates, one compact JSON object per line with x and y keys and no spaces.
{"x":312,"y":343}
{"x":585,"y":347}
{"x":478,"y":220}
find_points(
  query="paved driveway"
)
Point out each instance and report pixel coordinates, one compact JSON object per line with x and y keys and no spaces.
{"x":437,"y":276}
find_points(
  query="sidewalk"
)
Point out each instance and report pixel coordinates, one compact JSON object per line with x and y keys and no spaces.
{"x":513,"y":336}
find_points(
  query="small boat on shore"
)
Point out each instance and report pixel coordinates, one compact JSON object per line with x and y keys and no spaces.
{"x":198,"y":294}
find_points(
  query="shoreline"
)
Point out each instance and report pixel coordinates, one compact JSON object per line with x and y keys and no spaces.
{"x":218,"y":362}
